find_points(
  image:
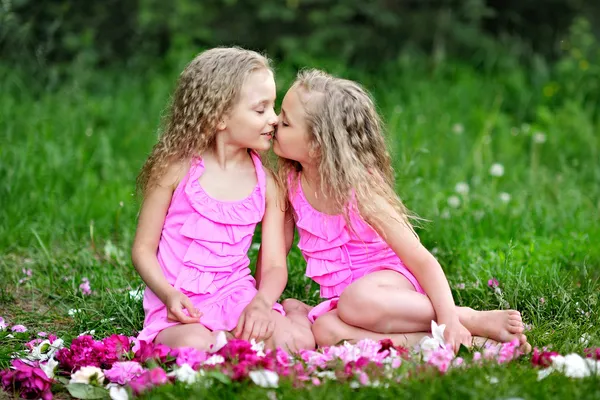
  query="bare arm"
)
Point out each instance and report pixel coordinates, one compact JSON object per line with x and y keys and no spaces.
{"x":276,"y":242}
{"x":145,"y":245}
{"x":289,"y":226}
{"x":417,"y":259}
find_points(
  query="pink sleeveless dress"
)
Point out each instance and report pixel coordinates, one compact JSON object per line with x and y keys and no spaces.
{"x":203,"y":252}
{"x":336,"y":255}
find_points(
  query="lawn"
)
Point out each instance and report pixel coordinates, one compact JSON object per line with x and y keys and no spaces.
{"x":505,"y":174}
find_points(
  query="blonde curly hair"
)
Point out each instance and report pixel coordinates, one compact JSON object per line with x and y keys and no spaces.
{"x":346,"y":133}
{"x":207,"y":89}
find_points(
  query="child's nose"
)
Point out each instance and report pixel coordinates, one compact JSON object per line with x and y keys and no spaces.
{"x":273,"y":118}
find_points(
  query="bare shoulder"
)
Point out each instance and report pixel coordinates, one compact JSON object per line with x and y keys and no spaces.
{"x":174,"y":174}
{"x":275,"y":190}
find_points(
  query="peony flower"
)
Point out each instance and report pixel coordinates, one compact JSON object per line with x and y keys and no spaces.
{"x":49,"y":367}
{"x":148,"y":379}
{"x":214,"y":360}
{"x":124,"y":371}
{"x":493,"y":283}
{"x":189,"y":356}
{"x":264,"y":378}
{"x":89,"y":375}
{"x":259,"y":348}
{"x":441,"y":358}
{"x":542,"y":358}
{"x":29,"y":380}
{"x":44,"y":350}
{"x":117,"y":392}
{"x":186,"y":374}
{"x":18,"y":328}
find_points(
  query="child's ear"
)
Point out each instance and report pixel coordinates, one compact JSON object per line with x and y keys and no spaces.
{"x":222,"y":125}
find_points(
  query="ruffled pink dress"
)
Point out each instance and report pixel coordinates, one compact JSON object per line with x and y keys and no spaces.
{"x":203,"y":252}
{"x":336,"y":255}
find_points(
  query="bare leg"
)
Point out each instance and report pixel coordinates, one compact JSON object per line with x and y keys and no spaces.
{"x":386,"y":302}
{"x":187,"y":335}
{"x":330,"y":330}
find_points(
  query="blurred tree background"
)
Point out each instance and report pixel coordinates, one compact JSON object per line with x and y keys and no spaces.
{"x":357,"y":33}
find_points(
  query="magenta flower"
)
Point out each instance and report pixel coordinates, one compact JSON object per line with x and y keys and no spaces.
{"x":2,"y":324}
{"x":124,"y":371}
{"x":493,"y":283}
{"x":26,"y":271}
{"x":29,"y":380}
{"x":18,"y":328}
{"x":542,"y":358}
{"x":154,"y":377}
{"x":85,"y":287}
{"x":147,"y":351}
{"x":593,"y":353}
{"x":188,"y":355}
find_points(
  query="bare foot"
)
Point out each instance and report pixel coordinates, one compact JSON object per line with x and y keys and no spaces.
{"x":500,"y":325}
{"x":293,"y":306}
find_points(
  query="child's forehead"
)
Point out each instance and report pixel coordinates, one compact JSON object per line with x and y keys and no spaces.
{"x":258,"y":86}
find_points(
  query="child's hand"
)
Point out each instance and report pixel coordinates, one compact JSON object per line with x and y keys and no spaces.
{"x":176,"y":303}
{"x":255,"y":321}
{"x":456,"y":334}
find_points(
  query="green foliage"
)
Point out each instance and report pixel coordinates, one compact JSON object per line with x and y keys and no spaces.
{"x":355,"y":32}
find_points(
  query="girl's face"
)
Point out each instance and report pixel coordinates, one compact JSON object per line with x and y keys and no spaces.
{"x":252,"y":121}
{"x":292,"y":140}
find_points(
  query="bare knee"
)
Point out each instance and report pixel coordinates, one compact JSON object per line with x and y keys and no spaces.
{"x":198,"y":342}
{"x":358,"y":308}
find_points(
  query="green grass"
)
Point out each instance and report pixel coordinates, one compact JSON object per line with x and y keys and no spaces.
{"x":69,"y":157}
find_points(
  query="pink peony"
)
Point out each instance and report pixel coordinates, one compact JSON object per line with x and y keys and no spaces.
{"x":124,"y":371}
{"x":188,"y":355}
{"x":147,"y":351}
{"x":18,"y":328}
{"x":508,"y":351}
{"x":29,"y":380}
{"x":154,"y":377}
{"x":86,"y":351}
{"x":493,"y":283}
{"x":441,"y":358}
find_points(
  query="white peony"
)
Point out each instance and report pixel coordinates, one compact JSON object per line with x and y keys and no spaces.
{"x":49,"y":367}
{"x":259,"y":347}
{"x":185,"y":374}
{"x":117,"y":392}
{"x":87,"y":375}
{"x":265,"y":378}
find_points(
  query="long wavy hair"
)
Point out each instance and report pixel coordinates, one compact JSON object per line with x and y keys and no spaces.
{"x":207,"y":89}
{"x":346,"y":133}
